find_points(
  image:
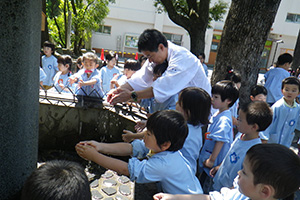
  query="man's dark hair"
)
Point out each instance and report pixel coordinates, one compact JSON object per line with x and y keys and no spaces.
{"x":284,"y":58}
{"x":51,"y":45}
{"x":132,"y":65}
{"x":292,"y":80}
{"x":258,"y":112}
{"x":275,"y":165}
{"x":258,"y":89}
{"x":227,"y":90}
{"x":150,"y":39}
{"x":57,"y":180}
{"x":168,"y":126}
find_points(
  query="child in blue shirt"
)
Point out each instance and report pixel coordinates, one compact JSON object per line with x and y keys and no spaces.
{"x":61,"y":78}
{"x":270,"y":171}
{"x":258,"y":93}
{"x":220,"y":132}
{"x":253,"y":117}
{"x":274,"y":77}
{"x":285,"y":114}
{"x":194,"y":103}
{"x":43,"y":76}
{"x":156,"y":159}
{"x":108,"y":71}
{"x":88,"y":78}
{"x":49,"y":64}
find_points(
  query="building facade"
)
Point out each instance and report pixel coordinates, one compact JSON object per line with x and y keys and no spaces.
{"x":128,"y":19}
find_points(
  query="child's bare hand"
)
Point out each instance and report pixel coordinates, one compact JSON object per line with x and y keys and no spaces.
{"x":80,"y":83}
{"x":208,"y":163}
{"x":164,"y":196}
{"x":61,"y":85}
{"x":86,"y":152}
{"x":127,"y":136}
{"x":72,"y":80}
{"x":93,"y":143}
{"x":213,"y":171}
{"x":139,"y":127}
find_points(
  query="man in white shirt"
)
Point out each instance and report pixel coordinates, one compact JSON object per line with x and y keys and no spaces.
{"x":184,"y":70}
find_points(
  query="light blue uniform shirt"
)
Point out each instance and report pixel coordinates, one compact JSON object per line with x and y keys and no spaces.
{"x":43,"y":76}
{"x":90,"y":90}
{"x":192,"y":146}
{"x":274,"y":79}
{"x":171,"y":169}
{"x":50,"y":68}
{"x":151,"y":105}
{"x":233,"y":162}
{"x":220,"y":130}
{"x":285,"y":121}
{"x":106,"y":76}
{"x":205,"y":69}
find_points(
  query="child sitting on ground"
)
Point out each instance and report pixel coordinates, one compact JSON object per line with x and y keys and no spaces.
{"x":130,"y":67}
{"x":258,"y":93}
{"x":88,"y":78}
{"x":57,"y":180}
{"x":156,"y":159}
{"x":285,"y":114}
{"x":253,"y":117}
{"x":61,"y":78}
{"x":270,"y":171}
{"x":49,"y":64}
{"x":220,"y":132}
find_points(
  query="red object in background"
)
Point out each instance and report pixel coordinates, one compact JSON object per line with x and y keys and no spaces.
{"x":136,"y":56}
{"x":102,"y":54}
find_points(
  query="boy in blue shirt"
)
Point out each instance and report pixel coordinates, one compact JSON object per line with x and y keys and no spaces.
{"x":253,"y":117}
{"x":285,"y":114}
{"x":49,"y":64}
{"x":219,"y":134}
{"x":270,"y":171}
{"x":156,"y":159}
{"x":88,"y":78}
{"x":275,"y":76}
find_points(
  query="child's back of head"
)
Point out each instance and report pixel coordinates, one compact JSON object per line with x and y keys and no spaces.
{"x":233,"y":76}
{"x":196,"y":104}
{"x":227,"y":90}
{"x":160,"y":68}
{"x":284,"y":58}
{"x":258,"y":90}
{"x":168,"y":126}
{"x":57,"y":180}
{"x":258,"y":112}
{"x":277,"y":166}
{"x":132,"y":64}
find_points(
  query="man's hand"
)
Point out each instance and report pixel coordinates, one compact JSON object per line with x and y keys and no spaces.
{"x":118,"y":95}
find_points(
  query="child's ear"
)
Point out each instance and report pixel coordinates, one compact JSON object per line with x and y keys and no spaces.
{"x":228,"y":101}
{"x":67,"y":65}
{"x":267,"y":191}
{"x":165,"y":146}
{"x":97,"y":65}
{"x":252,"y":98}
{"x":255,"y":127}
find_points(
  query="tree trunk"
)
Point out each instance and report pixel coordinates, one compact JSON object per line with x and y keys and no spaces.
{"x":296,"y":61}
{"x":244,"y":35}
{"x":197,"y":38}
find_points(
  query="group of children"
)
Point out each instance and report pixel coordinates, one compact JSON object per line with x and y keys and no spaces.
{"x":55,"y":73}
{"x":174,"y":151}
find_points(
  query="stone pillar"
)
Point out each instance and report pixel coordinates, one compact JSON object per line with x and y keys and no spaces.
{"x":20,"y":22}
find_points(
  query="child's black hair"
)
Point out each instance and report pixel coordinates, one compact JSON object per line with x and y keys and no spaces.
{"x":233,"y":76}
{"x":150,"y":39}
{"x":51,"y":45}
{"x":142,"y":58}
{"x":196,"y":103}
{"x":275,"y":165}
{"x":65,"y":59}
{"x":168,"y":126}
{"x":292,"y":80}
{"x":132,"y":65}
{"x":258,"y":89}
{"x":160,"y":68}
{"x":284,"y":58}
{"x":227,"y":90}
{"x":57,"y":180}
{"x":258,"y":112}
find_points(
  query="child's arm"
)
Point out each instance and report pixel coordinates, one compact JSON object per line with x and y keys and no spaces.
{"x":84,"y":83}
{"x":130,"y":136}
{"x":164,"y":196}
{"x":88,"y":152}
{"x":209,"y":163}
{"x":214,"y":170}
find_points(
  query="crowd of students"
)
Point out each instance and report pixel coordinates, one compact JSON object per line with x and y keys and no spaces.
{"x":188,"y":144}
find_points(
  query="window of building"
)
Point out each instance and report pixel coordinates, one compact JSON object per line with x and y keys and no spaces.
{"x":104,"y":29}
{"x":295,"y":18}
{"x":214,"y":46}
{"x":175,"y":38}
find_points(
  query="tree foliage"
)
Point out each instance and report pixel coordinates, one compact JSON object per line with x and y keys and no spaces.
{"x":194,"y":16}
{"x":87,"y":16}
